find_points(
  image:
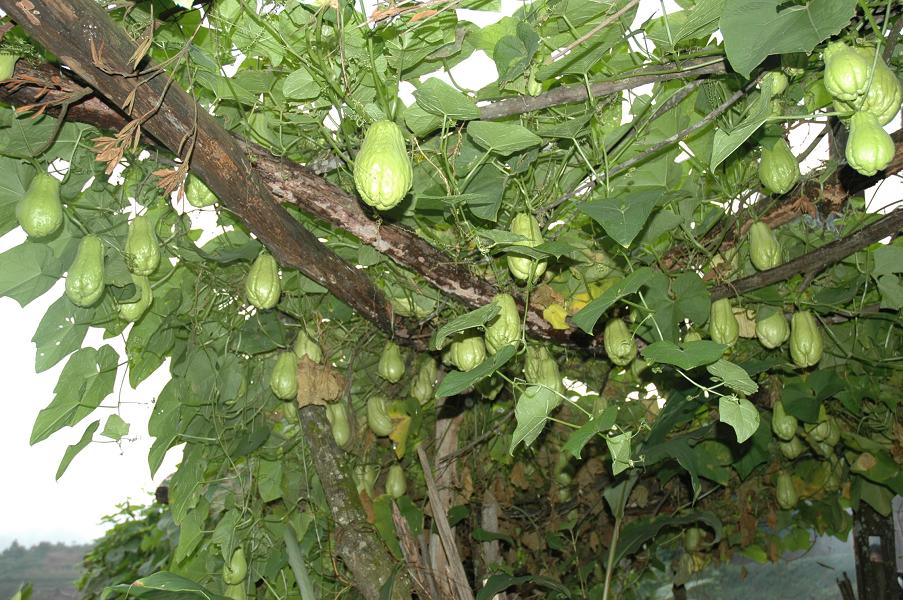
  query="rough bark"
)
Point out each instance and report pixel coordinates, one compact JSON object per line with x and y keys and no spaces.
{"x":99,"y":50}
{"x":874,"y":543}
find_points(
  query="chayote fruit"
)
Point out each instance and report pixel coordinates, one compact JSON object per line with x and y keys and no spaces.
{"x":846,"y":72}
{"x":783,"y":425}
{"x":364,"y":477}
{"x":235,"y":571}
{"x":779,"y":82}
{"x":284,"y":378}
{"x":382,"y":169}
{"x":40,"y":212}
{"x":235,"y":592}
{"x":764,"y":248}
{"x":792,"y":449}
{"x":396,"y":485}
{"x":723,"y":325}
{"x":7,"y":65}
{"x":425,"y":380}
{"x":806,"y":343}
{"x":306,"y":346}
{"x":84,"y":283}
{"x":377,"y":416}
{"x":505,"y":327}
{"x":772,"y":329}
{"x":132,"y":311}
{"x":883,"y":96}
{"x":692,"y":538}
{"x":525,"y":269}
{"x":833,"y":436}
{"x":337,"y":416}
{"x":785,"y":492}
{"x":142,"y":251}
{"x":467,"y":350}
{"x":619,"y":343}
{"x":540,"y":368}
{"x":262,"y":285}
{"x":197,"y":194}
{"x":778,"y":169}
{"x":820,"y":431}
{"x":869,"y":148}
{"x":391,"y":365}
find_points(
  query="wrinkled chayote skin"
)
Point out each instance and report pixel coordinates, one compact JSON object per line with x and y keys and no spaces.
{"x":778,"y":169}
{"x":337,"y":416}
{"x":779,"y":82}
{"x":382,"y":169}
{"x":85,"y":281}
{"x":235,"y":571}
{"x":467,"y":350}
{"x":197,"y":194}
{"x":132,"y":311}
{"x":792,"y":449}
{"x":619,"y":343}
{"x":883,"y":95}
{"x":785,"y":492}
{"x":142,"y":251}
{"x":764,"y":248}
{"x":723,"y":325}
{"x":306,"y":346}
{"x":396,"y":485}
{"x":284,"y":378}
{"x":783,"y":425}
{"x":262,"y":285}
{"x":505,"y":327}
{"x":869,"y":148}
{"x":525,"y":269}
{"x":391,"y":364}
{"x":425,"y":380}
{"x":378,"y":417}
{"x":40,"y":212}
{"x":772,"y":329}
{"x":540,"y":368}
{"x":806,"y":343}
{"x":846,"y":72}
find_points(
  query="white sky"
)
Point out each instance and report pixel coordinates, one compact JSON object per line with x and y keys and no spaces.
{"x":34,"y":507}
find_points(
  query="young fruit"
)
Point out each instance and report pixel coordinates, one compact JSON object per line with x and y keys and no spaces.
{"x":806,"y":343}
{"x":785,"y":492}
{"x":692,"y":538}
{"x":424,"y":381}
{"x":132,"y":311}
{"x":338,"y":420}
{"x":377,"y":417}
{"x":262,"y":285}
{"x":306,"y":346}
{"x":142,"y":252}
{"x":541,"y":369}
{"x":820,"y":431}
{"x":505,"y":327}
{"x":792,"y":449}
{"x":391,"y":365}
{"x":7,"y":65}
{"x":772,"y":329}
{"x":723,"y":325}
{"x":764,"y":248}
{"x":846,"y":72}
{"x":396,"y":485}
{"x":783,"y":425}
{"x":284,"y":378}
{"x":40,"y":212}
{"x":197,"y":194}
{"x":779,"y":82}
{"x":84,"y":283}
{"x":778,"y":169}
{"x":235,"y":571}
{"x":619,"y":343}
{"x":869,"y":148}
{"x":525,"y":269}
{"x":382,"y":169}
{"x":467,"y":351}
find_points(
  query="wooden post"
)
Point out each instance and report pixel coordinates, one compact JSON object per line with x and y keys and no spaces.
{"x":874,"y":548}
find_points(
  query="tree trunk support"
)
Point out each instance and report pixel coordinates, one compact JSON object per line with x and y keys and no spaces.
{"x":874,"y":545}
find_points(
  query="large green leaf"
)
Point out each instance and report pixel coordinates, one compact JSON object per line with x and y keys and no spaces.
{"x":16,"y":176}
{"x":579,"y":438}
{"x":692,"y":355}
{"x":166,"y":586}
{"x":502,"y":138}
{"x":437,"y":97}
{"x":456,"y":382}
{"x":623,"y":216}
{"x":532,"y":411}
{"x":27,"y":271}
{"x":740,"y":414}
{"x":75,"y":448}
{"x":587,"y":317}
{"x":61,"y":331}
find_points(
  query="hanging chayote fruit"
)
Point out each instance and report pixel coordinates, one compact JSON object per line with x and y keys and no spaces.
{"x":85,"y":281}
{"x":619,"y":343}
{"x":39,"y":211}
{"x":262,"y":284}
{"x":723,"y":325}
{"x":391,"y":365}
{"x":778,"y":169}
{"x":198,"y":194}
{"x":382,"y":169}
{"x":306,"y":346}
{"x":806,"y":343}
{"x":235,"y":571}
{"x":505,"y":327}
{"x":772,"y":329}
{"x":883,"y":94}
{"x":764,"y":248}
{"x":792,"y":449}
{"x":378,"y":417}
{"x":525,"y":269}
{"x":785,"y":492}
{"x":869,"y":148}
{"x":540,"y":368}
{"x":142,"y":250}
{"x":284,"y":378}
{"x":132,"y":311}
{"x":396,"y":485}
{"x":783,"y":425}
{"x":467,"y":350}
{"x":846,"y":72}
{"x":425,"y":380}
{"x":337,"y":416}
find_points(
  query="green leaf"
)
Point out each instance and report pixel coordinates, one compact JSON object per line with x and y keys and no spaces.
{"x":85,"y":381}
{"x":484,"y":192}
{"x":300,"y":85}
{"x":637,"y":533}
{"x":502,"y":138}
{"x":514,"y":53}
{"x":740,"y":414}
{"x":421,"y":122}
{"x":269,"y":480}
{"x":165,"y":586}
{"x":888,"y":260}
{"x":456,"y":382}
{"x":701,"y":21}
{"x":17,"y":175}
{"x":532,"y":411}
{"x":754,"y":29}
{"x":474,"y":318}
{"x":622,"y":217}
{"x":725,"y":142}
{"x":693,"y":354}
{"x":619,"y":449}
{"x":579,"y":438}
{"x":439,"y":98}
{"x":27,"y":271}
{"x":115,"y":428}
{"x":891,"y":292}
{"x":587,"y":317}
{"x":499,"y":583}
{"x":61,"y":331}
{"x":75,"y":448}
{"x":733,"y":376}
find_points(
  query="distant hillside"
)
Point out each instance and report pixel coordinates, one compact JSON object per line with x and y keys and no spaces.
{"x":51,"y":568}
